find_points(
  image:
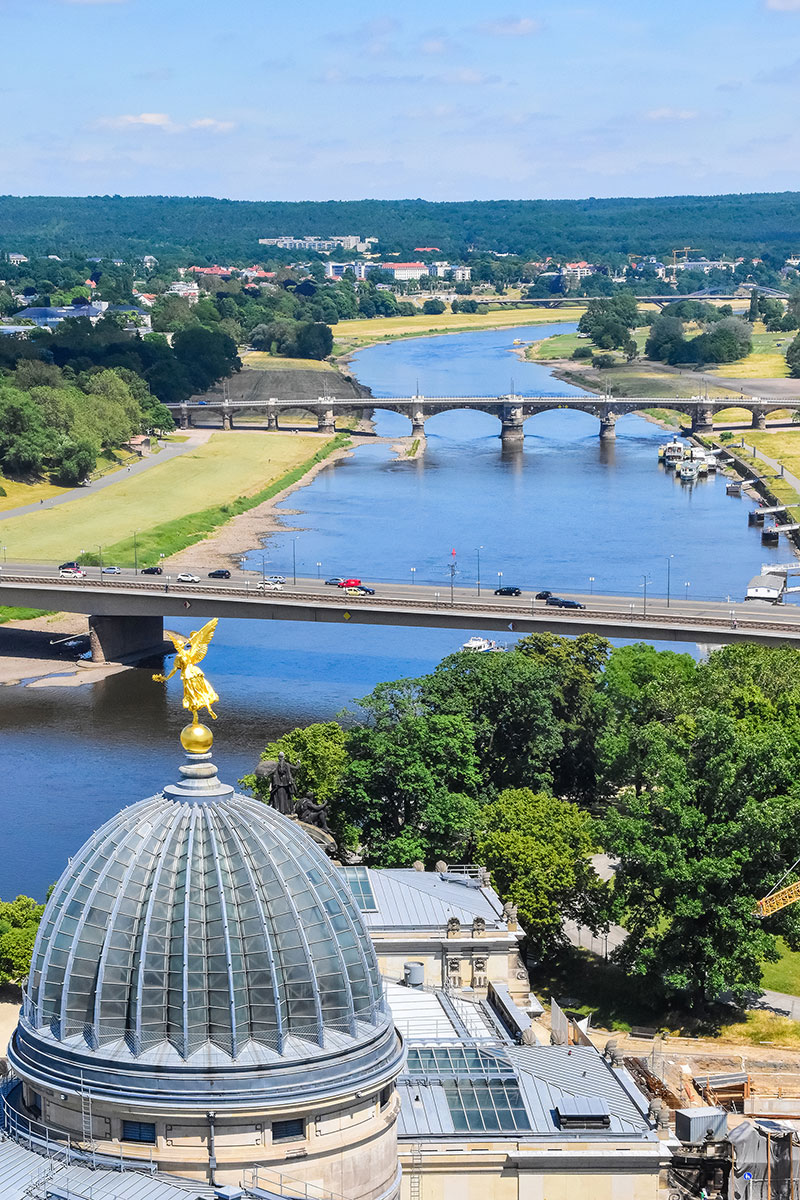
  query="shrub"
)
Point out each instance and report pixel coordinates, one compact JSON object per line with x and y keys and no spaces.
{"x":604,"y":361}
{"x":583,"y":352}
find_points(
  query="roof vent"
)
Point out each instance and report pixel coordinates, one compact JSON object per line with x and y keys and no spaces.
{"x":583,"y":1112}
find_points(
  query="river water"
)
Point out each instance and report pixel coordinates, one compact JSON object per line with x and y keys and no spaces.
{"x":554,"y":513}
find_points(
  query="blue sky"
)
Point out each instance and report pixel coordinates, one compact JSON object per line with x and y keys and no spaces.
{"x":454,"y":100}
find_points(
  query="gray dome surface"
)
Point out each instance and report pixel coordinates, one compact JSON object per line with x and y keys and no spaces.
{"x":183,"y":925}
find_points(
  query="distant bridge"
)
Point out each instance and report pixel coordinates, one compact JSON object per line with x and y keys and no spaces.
{"x":512,"y":410}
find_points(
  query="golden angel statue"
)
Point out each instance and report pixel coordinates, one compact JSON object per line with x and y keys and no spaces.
{"x":197,"y":691}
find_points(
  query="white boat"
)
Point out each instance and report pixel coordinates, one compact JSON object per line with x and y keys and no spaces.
{"x":481,"y":645}
{"x":688,"y":471}
{"x":673,"y":453}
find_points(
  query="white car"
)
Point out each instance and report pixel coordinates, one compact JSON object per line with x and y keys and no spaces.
{"x":276,"y":579}
{"x":269,"y":585}
{"x":72,"y":573}
{"x":186,"y":577}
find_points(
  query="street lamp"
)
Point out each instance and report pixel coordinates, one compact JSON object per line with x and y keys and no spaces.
{"x":135,"y":553}
{"x":644,"y":604}
{"x":413,"y":575}
{"x":294,"y":561}
{"x":669,"y":572}
{"x":499,"y":578}
{"x":263,"y":568}
{"x":687,"y":586}
{"x":100,"y":557}
{"x":591,"y":585}
{"x":4,"y":553}
{"x":319,"y":568}
{"x":478,"y":552}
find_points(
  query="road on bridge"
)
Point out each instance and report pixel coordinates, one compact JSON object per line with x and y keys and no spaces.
{"x":713,"y":621}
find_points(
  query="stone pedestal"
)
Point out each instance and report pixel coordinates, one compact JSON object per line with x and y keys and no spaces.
{"x":326,"y":422}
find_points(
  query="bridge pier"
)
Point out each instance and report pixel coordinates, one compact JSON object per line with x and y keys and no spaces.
{"x":115,"y":638}
{"x":227,"y":420}
{"x":703,"y":420}
{"x":759,"y":420}
{"x":184,"y":417}
{"x":512,"y":427}
{"x":418,"y":419}
{"x":608,"y":426}
{"x":326,"y":421}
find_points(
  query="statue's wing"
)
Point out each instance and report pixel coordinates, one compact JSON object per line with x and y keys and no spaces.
{"x":178,"y":642}
{"x":200,"y":640}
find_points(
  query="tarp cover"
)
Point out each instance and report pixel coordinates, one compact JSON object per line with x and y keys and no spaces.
{"x":770,"y":1153}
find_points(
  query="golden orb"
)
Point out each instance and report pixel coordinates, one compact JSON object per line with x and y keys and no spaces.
{"x":196,"y":738}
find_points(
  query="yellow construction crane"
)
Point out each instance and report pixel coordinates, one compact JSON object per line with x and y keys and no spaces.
{"x":685,"y":252}
{"x":779,"y":897}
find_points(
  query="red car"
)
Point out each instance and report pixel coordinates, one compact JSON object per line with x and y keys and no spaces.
{"x":350,"y":583}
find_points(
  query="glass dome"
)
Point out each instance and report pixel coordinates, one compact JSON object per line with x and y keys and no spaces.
{"x":217,"y":924}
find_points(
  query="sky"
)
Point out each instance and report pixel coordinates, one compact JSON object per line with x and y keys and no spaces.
{"x":453,"y":100}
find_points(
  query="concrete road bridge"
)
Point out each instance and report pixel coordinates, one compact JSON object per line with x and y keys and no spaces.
{"x":512,"y":410}
{"x":126,"y":614}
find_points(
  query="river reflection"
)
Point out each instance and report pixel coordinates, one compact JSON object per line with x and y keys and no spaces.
{"x":553,"y":513}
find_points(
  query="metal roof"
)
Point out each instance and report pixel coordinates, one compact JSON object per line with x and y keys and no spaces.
{"x":19,"y":1168}
{"x":409,"y":899}
{"x":549,"y":1078}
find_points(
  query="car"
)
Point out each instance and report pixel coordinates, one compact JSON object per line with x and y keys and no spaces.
{"x":152,"y":571}
{"x":364,"y":590}
{"x":334,"y":581}
{"x":70,"y":566}
{"x":269,"y":585}
{"x":507,"y":591}
{"x":112,"y":570}
{"x":276,"y":578}
{"x":561,"y":602}
{"x":220,"y":573}
{"x":543,"y":595}
{"x":348,"y":583}
{"x":187,"y":577}
{"x":72,"y":573}
{"x":354,"y":591}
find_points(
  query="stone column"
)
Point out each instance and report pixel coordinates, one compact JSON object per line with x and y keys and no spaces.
{"x":703,"y":420}
{"x":418,"y":423}
{"x":272,"y":416}
{"x":326,"y":422}
{"x":759,"y":420}
{"x":184,"y":417}
{"x":608,"y":422}
{"x":227,"y":420}
{"x":512,"y":430}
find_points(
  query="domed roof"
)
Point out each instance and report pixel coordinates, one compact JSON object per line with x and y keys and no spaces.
{"x":219,"y":924}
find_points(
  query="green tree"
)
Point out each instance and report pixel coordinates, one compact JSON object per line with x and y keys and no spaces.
{"x":321,"y":750}
{"x":793,"y":357}
{"x":434,"y":308}
{"x":538,"y":849}
{"x":19,"y":922}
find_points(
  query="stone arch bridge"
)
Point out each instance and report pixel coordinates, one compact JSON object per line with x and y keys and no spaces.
{"x":512,"y":411}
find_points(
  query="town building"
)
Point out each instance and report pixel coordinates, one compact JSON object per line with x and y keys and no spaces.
{"x":49,"y":317}
{"x":188,"y":291}
{"x":407,"y":270}
{"x":321,"y":245}
{"x":17,"y":259}
{"x":149,"y":261}
{"x":442,"y":269}
{"x":337,"y":270}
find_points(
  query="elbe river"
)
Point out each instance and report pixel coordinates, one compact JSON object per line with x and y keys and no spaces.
{"x":551,"y":514}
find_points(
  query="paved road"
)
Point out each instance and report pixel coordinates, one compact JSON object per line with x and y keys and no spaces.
{"x":170,"y":450}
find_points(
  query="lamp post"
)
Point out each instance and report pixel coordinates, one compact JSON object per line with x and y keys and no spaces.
{"x":644,"y":603}
{"x":452,"y":580}
{"x":100,"y":557}
{"x":135,"y":553}
{"x":687,"y":585}
{"x":669,"y":572}
{"x":413,"y":576}
{"x":5,"y":548}
{"x":499,"y":579}
{"x":263,"y":568}
{"x":319,"y":568}
{"x":591,"y":585}
{"x":478,"y":552}
{"x":294,"y":562}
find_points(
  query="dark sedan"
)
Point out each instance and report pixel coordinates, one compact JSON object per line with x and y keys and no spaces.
{"x":561,"y":602}
{"x":152,"y":571}
{"x":543,"y":595}
{"x":507,"y":591}
{"x":220,"y":573}
{"x":365,"y":591}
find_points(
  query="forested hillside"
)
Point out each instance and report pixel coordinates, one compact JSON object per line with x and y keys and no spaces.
{"x":229,"y":230}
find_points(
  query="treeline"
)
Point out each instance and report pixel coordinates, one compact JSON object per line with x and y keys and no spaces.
{"x":216,"y":229}
{"x":686,"y":773}
{"x":69,"y":395}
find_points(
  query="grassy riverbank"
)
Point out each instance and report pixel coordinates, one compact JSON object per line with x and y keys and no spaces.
{"x":175,"y":503}
{"x":353,"y":335}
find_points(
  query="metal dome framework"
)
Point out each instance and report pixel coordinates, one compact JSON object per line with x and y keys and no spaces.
{"x":189,"y":924}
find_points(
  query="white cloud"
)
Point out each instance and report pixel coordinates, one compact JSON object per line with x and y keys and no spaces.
{"x":784,"y":5}
{"x":212,"y":125}
{"x":164,"y":122}
{"x":672,"y":114}
{"x":511,"y":26}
